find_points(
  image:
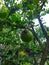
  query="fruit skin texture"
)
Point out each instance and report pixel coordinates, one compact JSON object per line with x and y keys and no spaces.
{"x":26,"y":35}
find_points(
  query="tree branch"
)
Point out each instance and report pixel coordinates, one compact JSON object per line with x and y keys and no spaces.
{"x":42,"y":27}
{"x":10,"y":24}
{"x":45,"y":53}
{"x":36,"y":37}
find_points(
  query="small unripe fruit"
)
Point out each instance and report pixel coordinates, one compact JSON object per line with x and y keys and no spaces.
{"x":26,"y":35}
{"x":4,"y":12}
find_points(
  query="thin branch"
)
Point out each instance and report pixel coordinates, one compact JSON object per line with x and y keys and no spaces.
{"x":45,"y":50}
{"x":12,"y":8}
{"x":43,"y":4}
{"x":10,"y":24}
{"x":36,"y":37}
{"x":40,"y":21}
{"x":42,"y":27}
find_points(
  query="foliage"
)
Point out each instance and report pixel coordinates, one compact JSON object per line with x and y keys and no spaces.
{"x":14,"y":18}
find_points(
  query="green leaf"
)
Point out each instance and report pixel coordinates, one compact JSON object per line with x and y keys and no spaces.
{"x":35,"y":2}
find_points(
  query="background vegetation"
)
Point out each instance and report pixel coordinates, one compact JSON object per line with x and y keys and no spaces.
{"x":15,"y":47}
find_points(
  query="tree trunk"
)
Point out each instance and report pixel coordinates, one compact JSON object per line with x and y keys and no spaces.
{"x":45,"y":52}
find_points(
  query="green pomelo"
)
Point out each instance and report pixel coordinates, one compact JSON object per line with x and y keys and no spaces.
{"x":4,"y":12}
{"x":26,"y":35}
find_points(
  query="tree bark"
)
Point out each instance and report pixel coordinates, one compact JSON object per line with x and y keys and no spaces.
{"x":45,"y":52}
